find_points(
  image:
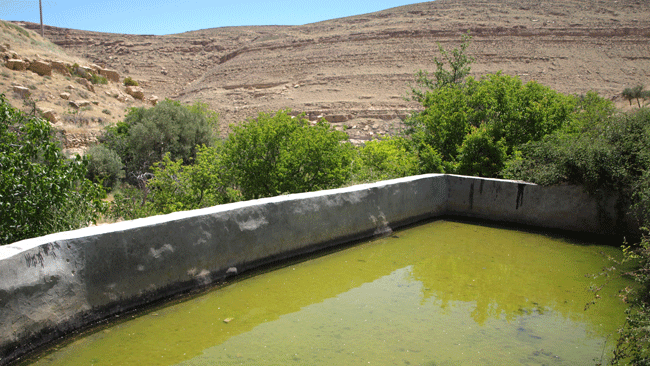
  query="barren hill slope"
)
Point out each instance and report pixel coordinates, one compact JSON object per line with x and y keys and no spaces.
{"x":355,"y":70}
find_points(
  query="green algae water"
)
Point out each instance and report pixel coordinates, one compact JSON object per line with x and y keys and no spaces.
{"x":443,"y":293}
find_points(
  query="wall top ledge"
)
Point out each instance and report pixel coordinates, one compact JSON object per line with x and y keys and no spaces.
{"x":10,"y":250}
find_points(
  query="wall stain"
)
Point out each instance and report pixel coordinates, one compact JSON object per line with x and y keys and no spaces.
{"x":520,"y":195}
{"x":471,"y":196}
{"x":48,"y":250}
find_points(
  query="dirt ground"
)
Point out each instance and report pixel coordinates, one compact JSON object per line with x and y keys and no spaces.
{"x":355,"y":71}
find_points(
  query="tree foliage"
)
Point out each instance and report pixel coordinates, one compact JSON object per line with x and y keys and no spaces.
{"x":637,"y":93}
{"x":480,"y":154}
{"x":147,"y":134}
{"x":387,"y":158}
{"x":612,"y":154}
{"x":104,"y":166}
{"x":174,"y":186}
{"x":500,"y":109}
{"x":276,"y":154}
{"x":41,"y":191}
{"x":459,"y":67}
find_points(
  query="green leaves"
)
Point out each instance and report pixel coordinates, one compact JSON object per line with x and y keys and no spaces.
{"x":41,"y":191}
{"x":612,"y":154}
{"x":388,"y":158}
{"x":276,"y":154}
{"x":459,"y":67}
{"x":500,"y":108}
{"x":480,"y":154}
{"x":147,"y":134}
{"x":637,"y":93}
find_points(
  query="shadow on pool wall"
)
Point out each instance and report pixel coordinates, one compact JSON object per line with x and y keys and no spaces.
{"x":57,"y":283}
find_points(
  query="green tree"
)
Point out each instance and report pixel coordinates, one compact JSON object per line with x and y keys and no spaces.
{"x":443,"y":124}
{"x":635,"y":93}
{"x":516,"y":112}
{"x":147,"y":134}
{"x":459,"y":67}
{"x":480,"y":155}
{"x":591,"y":110}
{"x":173,"y":186}
{"x":276,"y":154}
{"x":177,"y":187}
{"x":610,"y":155}
{"x":388,"y":158}
{"x":41,"y":191}
{"x":104,"y":166}
{"x":512,"y":113}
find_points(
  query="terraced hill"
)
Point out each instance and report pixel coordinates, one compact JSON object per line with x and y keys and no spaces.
{"x":355,"y":71}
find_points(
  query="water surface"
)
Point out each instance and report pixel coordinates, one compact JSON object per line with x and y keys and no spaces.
{"x":443,"y":293}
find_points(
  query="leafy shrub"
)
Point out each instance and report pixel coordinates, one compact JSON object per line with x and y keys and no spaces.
{"x":104,"y":166}
{"x":459,"y":64}
{"x":98,"y":79}
{"x":385,"y":159}
{"x":130,"y":82}
{"x":41,"y":191}
{"x":612,"y":154}
{"x":276,"y":154}
{"x":146,"y":135}
{"x":130,"y":203}
{"x":185,"y":187}
{"x":175,"y":187}
{"x":591,"y":110}
{"x":511,"y":112}
{"x":480,"y":155}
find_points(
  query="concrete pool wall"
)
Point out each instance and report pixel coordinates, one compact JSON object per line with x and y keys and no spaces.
{"x":52,"y":285}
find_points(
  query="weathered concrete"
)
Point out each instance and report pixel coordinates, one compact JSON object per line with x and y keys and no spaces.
{"x":53,"y":284}
{"x":563,"y":207}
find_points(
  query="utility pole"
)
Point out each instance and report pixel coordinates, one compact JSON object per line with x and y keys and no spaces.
{"x":40,"y":7}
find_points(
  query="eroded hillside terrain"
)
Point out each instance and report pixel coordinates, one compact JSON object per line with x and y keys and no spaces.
{"x":355,"y":71}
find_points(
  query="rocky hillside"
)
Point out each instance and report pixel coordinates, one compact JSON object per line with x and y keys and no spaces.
{"x":355,"y":71}
{"x":79,"y":98}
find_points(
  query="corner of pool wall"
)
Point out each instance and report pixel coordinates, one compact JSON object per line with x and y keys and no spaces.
{"x":57,"y":283}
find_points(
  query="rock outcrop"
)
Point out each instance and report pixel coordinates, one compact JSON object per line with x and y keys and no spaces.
{"x":135,"y":91}
{"x":16,"y":64}
{"x":110,"y":75}
{"x":42,"y":68}
{"x":50,"y":115}
{"x":79,"y":103}
{"x":21,"y":91}
{"x":61,"y":67}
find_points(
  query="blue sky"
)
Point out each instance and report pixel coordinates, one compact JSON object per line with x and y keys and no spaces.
{"x":177,"y":16}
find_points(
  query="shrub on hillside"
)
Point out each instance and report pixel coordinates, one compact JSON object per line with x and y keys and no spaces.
{"x":98,"y":79}
{"x":130,"y":82}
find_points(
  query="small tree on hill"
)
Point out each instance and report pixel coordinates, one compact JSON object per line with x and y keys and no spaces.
{"x":635,"y":93}
{"x":459,"y":64}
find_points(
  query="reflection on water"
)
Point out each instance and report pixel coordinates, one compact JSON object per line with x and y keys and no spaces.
{"x":444,"y":293}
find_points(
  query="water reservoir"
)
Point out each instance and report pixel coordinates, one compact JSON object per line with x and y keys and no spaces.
{"x":441,"y":293}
